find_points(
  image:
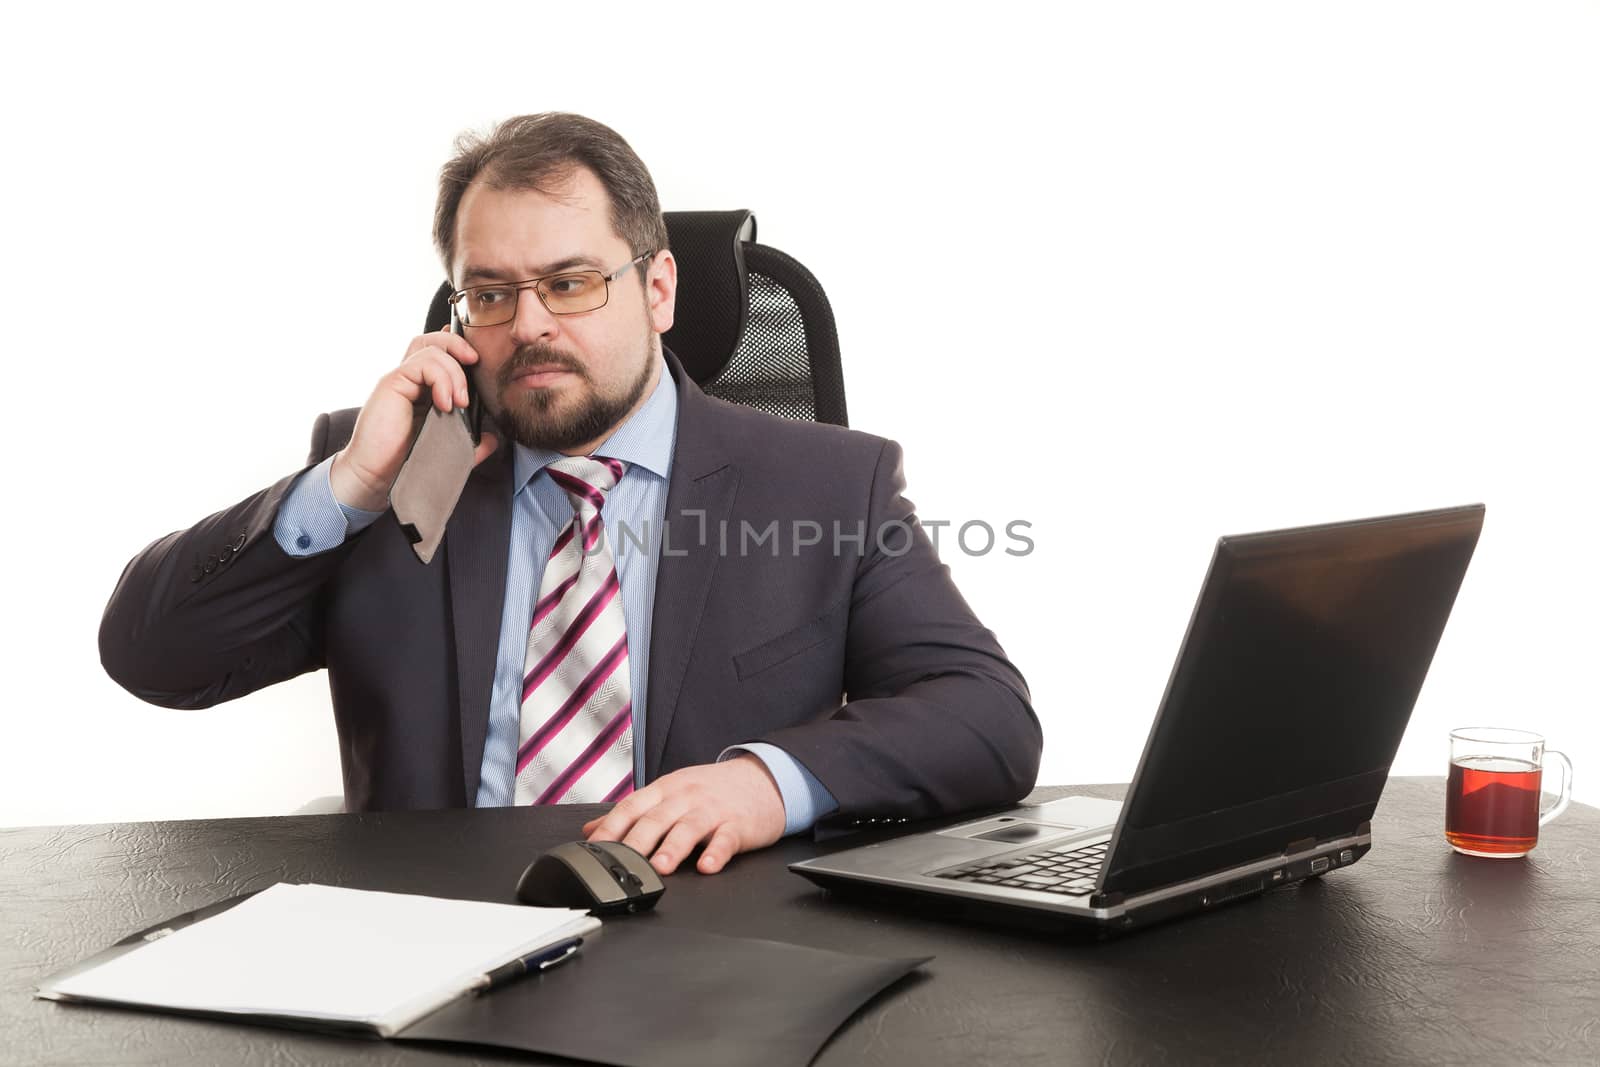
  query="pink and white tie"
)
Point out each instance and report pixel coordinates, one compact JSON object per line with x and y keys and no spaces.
{"x":576,"y":742}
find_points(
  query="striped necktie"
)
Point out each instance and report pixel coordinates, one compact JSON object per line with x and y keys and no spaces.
{"x":576,"y":743}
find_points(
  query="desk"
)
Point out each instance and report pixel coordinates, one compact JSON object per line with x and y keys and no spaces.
{"x":1415,"y":954}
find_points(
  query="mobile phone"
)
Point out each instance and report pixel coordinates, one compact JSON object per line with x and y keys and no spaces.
{"x":435,"y":471}
{"x":474,"y":409}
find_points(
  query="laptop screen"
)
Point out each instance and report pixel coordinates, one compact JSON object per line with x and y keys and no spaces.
{"x":1291,"y":692}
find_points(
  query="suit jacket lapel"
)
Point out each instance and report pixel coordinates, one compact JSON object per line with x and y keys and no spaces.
{"x":481,"y":527}
{"x":699,"y":497}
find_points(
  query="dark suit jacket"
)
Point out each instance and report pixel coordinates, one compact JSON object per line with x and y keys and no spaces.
{"x":866,"y":665}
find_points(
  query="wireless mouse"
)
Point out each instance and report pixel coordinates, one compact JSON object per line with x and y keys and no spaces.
{"x":605,"y":877}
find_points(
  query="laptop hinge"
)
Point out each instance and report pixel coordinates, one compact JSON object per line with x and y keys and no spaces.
{"x":1305,"y":844}
{"x":1107,"y":900}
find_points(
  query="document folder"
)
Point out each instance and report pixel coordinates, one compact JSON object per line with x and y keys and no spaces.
{"x":638,"y":993}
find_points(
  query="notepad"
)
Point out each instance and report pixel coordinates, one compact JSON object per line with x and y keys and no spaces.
{"x":343,"y":958}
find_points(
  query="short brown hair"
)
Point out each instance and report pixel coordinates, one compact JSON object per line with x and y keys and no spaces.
{"x":539,"y":152}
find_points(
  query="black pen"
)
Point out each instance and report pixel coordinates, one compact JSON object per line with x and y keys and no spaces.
{"x":542,"y":960}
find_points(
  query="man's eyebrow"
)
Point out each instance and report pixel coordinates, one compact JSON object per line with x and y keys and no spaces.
{"x":479,"y":275}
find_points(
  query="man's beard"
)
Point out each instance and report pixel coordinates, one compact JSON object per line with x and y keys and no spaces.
{"x":534,"y":420}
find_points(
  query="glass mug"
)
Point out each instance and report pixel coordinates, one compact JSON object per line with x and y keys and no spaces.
{"x":1491,"y":805}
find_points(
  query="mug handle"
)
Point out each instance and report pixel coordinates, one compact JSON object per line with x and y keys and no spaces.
{"x":1566,"y":787}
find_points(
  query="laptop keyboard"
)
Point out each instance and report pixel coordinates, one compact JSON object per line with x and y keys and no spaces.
{"x":1066,"y":869}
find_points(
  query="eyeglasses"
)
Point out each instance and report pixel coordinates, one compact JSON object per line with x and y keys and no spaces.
{"x":570,"y":293}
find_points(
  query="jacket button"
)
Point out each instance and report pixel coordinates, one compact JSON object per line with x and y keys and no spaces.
{"x":225,"y":555}
{"x":238,"y":544}
{"x":211,"y":564}
{"x":196,"y":574}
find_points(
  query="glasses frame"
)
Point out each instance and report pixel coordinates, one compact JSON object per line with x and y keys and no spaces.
{"x":537,"y":285}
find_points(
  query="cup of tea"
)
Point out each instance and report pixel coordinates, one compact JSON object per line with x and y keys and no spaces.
{"x":1491,"y":805}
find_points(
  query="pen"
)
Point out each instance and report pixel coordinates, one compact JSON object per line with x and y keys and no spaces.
{"x":532,"y":963}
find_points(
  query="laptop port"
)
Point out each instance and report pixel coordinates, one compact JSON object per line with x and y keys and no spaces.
{"x":1319,"y":864}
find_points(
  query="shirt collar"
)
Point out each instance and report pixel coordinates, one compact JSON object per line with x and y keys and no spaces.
{"x":645,"y":438}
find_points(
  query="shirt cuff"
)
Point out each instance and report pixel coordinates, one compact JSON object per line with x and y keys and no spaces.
{"x":805,"y":800}
{"x":312,"y":520}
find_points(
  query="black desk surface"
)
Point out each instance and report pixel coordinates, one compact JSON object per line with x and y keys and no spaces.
{"x":1415,"y":954}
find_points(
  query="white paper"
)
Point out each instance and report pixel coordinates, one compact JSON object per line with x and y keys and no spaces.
{"x":321,"y":952}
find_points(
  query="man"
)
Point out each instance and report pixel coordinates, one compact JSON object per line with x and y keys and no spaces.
{"x":723,"y":692}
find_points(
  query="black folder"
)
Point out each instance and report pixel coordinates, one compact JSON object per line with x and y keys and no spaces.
{"x":639,"y":994}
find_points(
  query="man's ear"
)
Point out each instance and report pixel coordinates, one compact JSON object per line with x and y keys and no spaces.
{"x":661,"y":290}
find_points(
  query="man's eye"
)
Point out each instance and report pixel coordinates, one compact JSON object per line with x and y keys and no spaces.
{"x":490,"y":297}
{"x":567,"y":284}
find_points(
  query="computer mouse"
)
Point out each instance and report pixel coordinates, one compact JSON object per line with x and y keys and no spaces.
{"x":605,"y":877}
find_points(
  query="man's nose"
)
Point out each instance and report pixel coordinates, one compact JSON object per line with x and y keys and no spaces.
{"x":533,"y":321}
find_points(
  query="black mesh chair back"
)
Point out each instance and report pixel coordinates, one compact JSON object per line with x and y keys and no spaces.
{"x":752,"y":325}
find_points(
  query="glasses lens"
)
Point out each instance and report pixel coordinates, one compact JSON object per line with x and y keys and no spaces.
{"x":488,"y":306}
{"x":568,"y":294}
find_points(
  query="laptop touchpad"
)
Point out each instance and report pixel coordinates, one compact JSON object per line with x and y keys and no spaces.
{"x":1019,"y":833}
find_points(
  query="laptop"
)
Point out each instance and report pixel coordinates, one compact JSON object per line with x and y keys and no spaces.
{"x":1291,"y":691}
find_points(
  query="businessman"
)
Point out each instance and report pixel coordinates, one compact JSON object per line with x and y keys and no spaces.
{"x":623,"y":609}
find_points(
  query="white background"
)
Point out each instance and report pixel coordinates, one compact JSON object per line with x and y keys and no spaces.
{"x":1191,"y":269}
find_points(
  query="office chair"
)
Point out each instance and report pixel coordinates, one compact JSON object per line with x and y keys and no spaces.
{"x":753,"y":325}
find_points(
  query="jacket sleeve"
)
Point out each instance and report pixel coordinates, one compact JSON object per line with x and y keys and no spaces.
{"x":936,"y":719}
{"x":219,"y":610}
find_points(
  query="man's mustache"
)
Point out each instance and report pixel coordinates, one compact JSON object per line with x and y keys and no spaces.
{"x":529,"y":356}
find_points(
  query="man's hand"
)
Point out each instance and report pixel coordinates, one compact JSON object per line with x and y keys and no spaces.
{"x":364,"y":472}
{"x":734,"y":806}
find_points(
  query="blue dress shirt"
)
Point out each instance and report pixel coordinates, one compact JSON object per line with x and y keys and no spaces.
{"x":311,"y":520}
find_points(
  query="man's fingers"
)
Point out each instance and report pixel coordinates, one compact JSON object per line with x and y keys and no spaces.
{"x":610,"y":828}
{"x":441,"y":376}
{"x":455,"y":377}
{"x":457,"y":346}
{"x":651,"y":827}
{"x":679,"y":842}
{"x":724,"y":845}
{"x":421,"y":382}
{"x":445,"y":341}
{"x":620,"y":819}
{"x":720,"y":806}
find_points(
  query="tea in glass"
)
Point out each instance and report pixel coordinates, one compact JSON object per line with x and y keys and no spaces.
{"x":1491,"y":805}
